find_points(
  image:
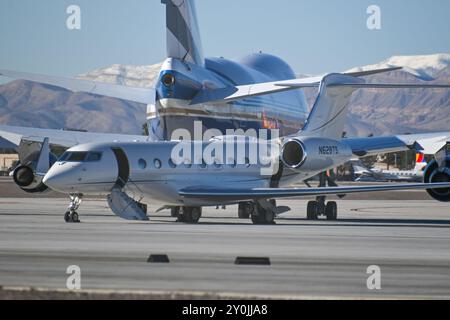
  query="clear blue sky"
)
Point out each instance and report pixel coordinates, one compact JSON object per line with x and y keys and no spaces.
{"x":314,"y":36}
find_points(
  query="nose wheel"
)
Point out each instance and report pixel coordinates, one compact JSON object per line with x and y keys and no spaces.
{"x":71,"y":215}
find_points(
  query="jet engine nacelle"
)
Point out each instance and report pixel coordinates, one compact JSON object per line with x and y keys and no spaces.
{"x":432,"y":174}
{"x":27,"y":179}
{"x":314,"y":154}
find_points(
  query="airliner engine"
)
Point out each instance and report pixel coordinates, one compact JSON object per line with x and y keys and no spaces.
{"x":438,"y":172}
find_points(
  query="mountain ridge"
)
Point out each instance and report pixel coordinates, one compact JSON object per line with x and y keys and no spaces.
{"x":373,"y":111}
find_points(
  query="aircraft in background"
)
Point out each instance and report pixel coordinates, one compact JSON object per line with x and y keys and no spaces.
{"x":364,"y":174}
{"x":259,"y":92}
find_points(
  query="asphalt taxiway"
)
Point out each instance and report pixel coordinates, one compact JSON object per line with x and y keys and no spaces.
{"x":408,"y":239}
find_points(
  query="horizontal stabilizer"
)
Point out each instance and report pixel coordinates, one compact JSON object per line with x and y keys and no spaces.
{"x":271,"y":193}
{"x":229,"y":94}
{"x":140,"y":95}
{"x":374,"y":85}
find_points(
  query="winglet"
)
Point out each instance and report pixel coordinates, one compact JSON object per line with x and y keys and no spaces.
{"x":43,"y":164}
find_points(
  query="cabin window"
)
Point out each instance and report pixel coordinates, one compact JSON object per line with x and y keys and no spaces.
{"x":172,"y":164}
{"x":247,"y":162}
{"x":232,"y":162}
{"x":217,"y":164}
{"x":142,"y":164}
{"x":157,"y":164}
{"x":187,"y":163}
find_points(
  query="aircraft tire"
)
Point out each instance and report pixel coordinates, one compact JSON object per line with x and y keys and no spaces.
{"x":67,"y":216}
{"x":311,"y":211}
{"x":263,"y":216}
{"x":71,"y":217}
{"x":245,"y":210}
{"x":175,"y":212}
{"x":331,"y":210}
{"x":192,"y":215}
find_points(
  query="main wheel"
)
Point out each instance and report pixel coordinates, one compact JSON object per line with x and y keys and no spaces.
{"x":192,"y":215}
{"x":263,"y":216}
{"x":245,"y":210}
{"x":175,"y":212}
{"x":331,"y":210}
{"x":311,"y":211}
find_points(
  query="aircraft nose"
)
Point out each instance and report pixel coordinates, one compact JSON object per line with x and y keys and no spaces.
{"x":52,"y":181}
{"x":60,"y":179}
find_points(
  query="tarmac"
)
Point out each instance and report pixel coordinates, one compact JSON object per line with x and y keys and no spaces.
{"x":407,"y":239}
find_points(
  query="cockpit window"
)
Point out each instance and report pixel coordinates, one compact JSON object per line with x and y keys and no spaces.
{"x":94,"y":156}
{"x":77,"y":156}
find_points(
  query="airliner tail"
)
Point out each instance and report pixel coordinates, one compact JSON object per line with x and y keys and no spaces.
{"x":183,"y":34}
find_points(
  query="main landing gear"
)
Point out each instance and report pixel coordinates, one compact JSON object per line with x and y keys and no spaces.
{"x":71,"y":215}
{"x":261,"y":213}
{"x":189,"y":215}
{"x":320,"y":208}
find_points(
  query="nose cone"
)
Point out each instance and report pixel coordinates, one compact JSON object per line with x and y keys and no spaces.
{"x":61,"y":177}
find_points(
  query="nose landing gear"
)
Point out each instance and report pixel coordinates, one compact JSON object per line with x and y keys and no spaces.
{"x":71,"y":215}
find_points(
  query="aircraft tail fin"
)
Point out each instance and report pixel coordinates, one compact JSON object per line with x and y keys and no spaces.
{"x":329,"y":113}
{"x":420,"y":162}
{"x":183,"y":34}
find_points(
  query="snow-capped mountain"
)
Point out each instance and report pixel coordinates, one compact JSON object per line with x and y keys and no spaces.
{"x":379,"y":112}
{"x":425,"y":67}
{"x":128,"y":75}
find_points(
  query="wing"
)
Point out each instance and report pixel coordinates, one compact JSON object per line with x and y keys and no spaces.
{"x":141,"y":95}
{"x":63,"y":138}
{"x":429,"y":143}
{"x":218,"y":194}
